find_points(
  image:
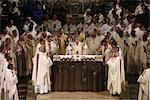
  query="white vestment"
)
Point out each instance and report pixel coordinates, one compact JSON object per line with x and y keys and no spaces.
{"x":119,"y":40}
{"x":55,"y":25}
{"x":139,"y":33}
{"x":53,"y":47}
{"x":37,"y":48}
{"x":3,"y":69}
{"x":91,"y":27}
{"x":5,"y":37}
{"x":119,"y":10}
{"x":131,"y":55}
{"x":69,"y":28}
{"x":144,"y":88}
{"x":11,"y":81}
{"x":27,"y":24}
{"x":16,"y":10}
{"x":85,"y":49}
{"x":126,"y":22}
{"x":128,"y":29}
{"x":46,"y":32}
{"x":116,"y":74}
{"x":69,"y":50}
{"x":110,"y":15}
{"x":106,"y":51}
{"x":41,"y":73}
{"x":101,"y":18}
{"x":80,"y":25}
{"x":140,"y":54}
{"x":10,"y":29}
{"x":33,"y":33}
{"x":93,"y":44}
{"x":85,"y":28}
{"x":106,"y":28}
{"x":77,"y":49}
{"x":87,"y":18}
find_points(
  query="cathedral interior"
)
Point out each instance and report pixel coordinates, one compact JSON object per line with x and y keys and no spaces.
{"x":72,"y":10}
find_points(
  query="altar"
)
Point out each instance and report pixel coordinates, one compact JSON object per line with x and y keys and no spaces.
{"x":78,"y":73}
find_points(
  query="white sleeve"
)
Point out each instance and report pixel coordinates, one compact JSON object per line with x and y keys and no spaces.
{"x":143,"y":78}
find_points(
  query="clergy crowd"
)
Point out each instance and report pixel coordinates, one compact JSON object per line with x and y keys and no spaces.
{"x":121,"y":36}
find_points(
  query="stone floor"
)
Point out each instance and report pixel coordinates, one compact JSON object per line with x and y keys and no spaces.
{"x":25,"y":90}
{"x":77,"y":96}
{"x":130,"y":93}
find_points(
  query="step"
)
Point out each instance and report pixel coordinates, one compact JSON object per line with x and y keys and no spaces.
{"x":22,"y":85}
{"x":30,"y":91}
{"x":22,"y":93}
{"x":21,"y":96}
{"x":30,"y":86}
{"x":22,"y":90}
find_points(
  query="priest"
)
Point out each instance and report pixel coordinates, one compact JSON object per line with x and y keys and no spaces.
{"x":144,"y":80}
{"x":116,"y":74}
{"x":77,"y":47}
{"x":93,"y":42}
{"x":11,"y":81}
{"x":3,"y":67}
{"x":41,"y":71}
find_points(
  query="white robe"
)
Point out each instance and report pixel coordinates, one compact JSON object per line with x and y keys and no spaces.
{"x":101,"y":18}
{"x":5,"y":37}
{"x":69,"y":28}
{"x":80,"y":25}
{"x":139,"y":33}
{"x":119,"y":40}
{"x":69,"y":50}
{"x":107,"y":51}
{"x":53,"y":47}
{"x":77,"y":49}
{"x":48,"y":33}
{"x":87,"y":18}
{"x":37,"y":48}
{"x":57,"y":25}
{"x":106,"y":28}
{"x":126,"y":22}
{"x":131,"y":55}
{"x":41,"y":73}
{"x":140,"y":54}
{"x":33,"y":33}
{"x":85,"y":49}
{"x":144,"y":88}
{"x":3,"y":69}
{"x":85,"y":28}
{"x":9,"y":31}
{"x":116,"y":74}
{"x":11,"y":81}
{"x":119,"y":10}
{"x":110,"y":15}
{"x":92,"y":26}
{"x":26,"y":25}
{"x":16,"y":10}
{"x":93,"y":44}
{"x":128,"y":29}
